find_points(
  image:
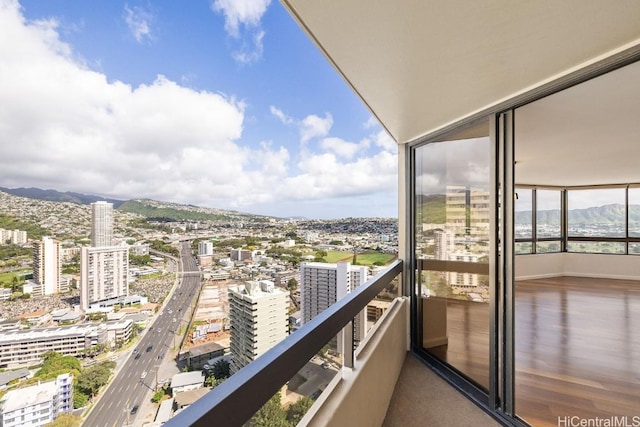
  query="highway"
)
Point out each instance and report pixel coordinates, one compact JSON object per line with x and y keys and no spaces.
{"x":138,"y":374}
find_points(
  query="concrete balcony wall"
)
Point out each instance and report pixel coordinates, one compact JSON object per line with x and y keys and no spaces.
{"x":363,"y":393}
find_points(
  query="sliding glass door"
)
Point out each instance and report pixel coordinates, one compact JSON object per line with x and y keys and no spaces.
{"x":452,"y":232}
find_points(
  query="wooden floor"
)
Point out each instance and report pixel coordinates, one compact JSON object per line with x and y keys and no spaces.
{"x":577,"y":348}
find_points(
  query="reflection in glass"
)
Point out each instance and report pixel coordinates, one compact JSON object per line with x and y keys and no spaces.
{"x":452,"y":245}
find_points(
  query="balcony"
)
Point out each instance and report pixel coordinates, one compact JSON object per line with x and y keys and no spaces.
{"x":381,"y":383}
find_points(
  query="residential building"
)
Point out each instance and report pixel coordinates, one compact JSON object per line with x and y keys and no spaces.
{"x":104,"y":274}
{"x":14,"y":237}
{"x":205,"y":247}
{"x":258,"y":316}
{"x":540,"y":97}
{"x":37,"y":405}
{"x":186,"y":381}
{"x":47,"y":266}
{"x":322,"y":284}
{"x":25,"y":348}
{"x":101,"y":224}
{"x":119,"y":332}
{"x":241,"y":255}
{"x":13,"y":376}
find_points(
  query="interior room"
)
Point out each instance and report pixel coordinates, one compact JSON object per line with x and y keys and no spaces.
{"x":577,"y":311}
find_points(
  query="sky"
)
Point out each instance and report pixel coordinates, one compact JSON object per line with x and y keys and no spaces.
{"x":222,"y":103}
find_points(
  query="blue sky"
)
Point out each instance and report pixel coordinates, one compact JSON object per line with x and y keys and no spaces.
{"x":222,"y":103}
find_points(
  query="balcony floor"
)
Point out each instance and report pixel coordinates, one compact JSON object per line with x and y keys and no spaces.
{"x":423,"y":398}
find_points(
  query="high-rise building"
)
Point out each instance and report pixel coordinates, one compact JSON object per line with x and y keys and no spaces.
{"x":47,"y":266}
{"x":39,"y":404}
{"x":104,"y":274}
{"x":322,"y":284}
{"x":101,"y":224}
{"x":444,"y":243}
{"x":205,"y":247}
{"x":14,"y":237}
{"x":258,"y":315}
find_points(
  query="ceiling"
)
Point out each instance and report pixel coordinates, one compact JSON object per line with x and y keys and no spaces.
{"x":586,"y":135}
{"x":420,"y":65}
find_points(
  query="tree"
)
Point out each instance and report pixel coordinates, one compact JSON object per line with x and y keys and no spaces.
{"x":93,"y":378}
{"x":80,"y":400}
{"x":65,"y":420}
{"x":221,"y":369}
{"x":270,"y":415}
{"x":296,"y":410}
{"x":55,"y":363}
{"x":157,"y":396}
{"x":292,"y":284}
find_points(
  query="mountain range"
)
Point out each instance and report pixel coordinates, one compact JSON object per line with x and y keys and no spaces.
{"x":432,"y":207}
{"x":607,"y":214}
{"x":151,"y":209}
{"x":57,"y":196}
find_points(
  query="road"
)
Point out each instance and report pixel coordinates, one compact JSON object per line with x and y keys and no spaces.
{"x":138,"y":375}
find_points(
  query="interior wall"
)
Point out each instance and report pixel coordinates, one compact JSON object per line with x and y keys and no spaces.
{"x":539,"y":266}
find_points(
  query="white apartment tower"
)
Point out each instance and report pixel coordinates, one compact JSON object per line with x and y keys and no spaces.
{"x":445,"y":244}
{"x":322,"y":284}
{"x":15,"y":237}
{"x":104,"y":274}
{"x":37,"y":405}
{"x":205,"y":247}
{"x":47,"y":266}
{"x":258,"y":316}
{"x":101,"y":224}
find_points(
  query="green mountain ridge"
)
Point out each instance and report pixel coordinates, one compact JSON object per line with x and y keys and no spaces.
{"x":151,"y":209}
{"x":607,"y":214}
{"x":165,"y":211}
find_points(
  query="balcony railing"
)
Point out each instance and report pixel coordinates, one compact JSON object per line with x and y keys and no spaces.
{"x":238,"y":398}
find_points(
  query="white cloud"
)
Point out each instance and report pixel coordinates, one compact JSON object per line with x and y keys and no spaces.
{"x":371,"y":123}
{"x":287,"y":120}
{"x":139,"y":22}
{"x":67,"y":127}
{"x":242,"y":23}
{"x":250,"y":51}
{"x":344,"y":148}
{"x":314,"y":126}
{"x":324,"y":176}
{"x":384,"y":141}
{"x":238,"y":13}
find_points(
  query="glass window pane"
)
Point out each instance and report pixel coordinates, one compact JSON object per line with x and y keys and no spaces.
{"x":547,"y":247}
{"x":634,"y":213}
{"x":547,"y":213}
{"x":523,"y":248}
{"x":596,"y":247}
{"x":523,"y":206}
{"x":597,"y":212}
{"x":453,"y":209}
{"x":634,"y":248}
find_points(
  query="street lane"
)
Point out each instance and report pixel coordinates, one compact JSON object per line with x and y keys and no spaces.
{"x":139,"y":375}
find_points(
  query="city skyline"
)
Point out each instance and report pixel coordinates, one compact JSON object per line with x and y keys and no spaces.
{"x":198,"y":104}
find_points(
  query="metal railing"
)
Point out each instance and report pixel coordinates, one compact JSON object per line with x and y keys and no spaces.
{"x":238,"y":398}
